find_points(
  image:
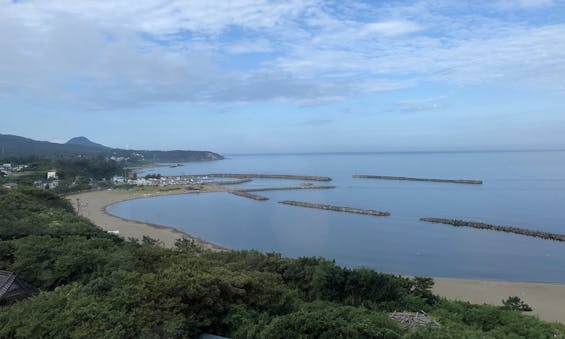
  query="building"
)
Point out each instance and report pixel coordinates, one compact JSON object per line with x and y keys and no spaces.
{"x":13,"y":289}
{"x":118,"y":180}
{"x":52,"y":174}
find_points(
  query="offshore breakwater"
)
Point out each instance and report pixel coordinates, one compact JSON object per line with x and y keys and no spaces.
{"x":335,"y":208}
{"x":507,"y":229}
{"x":262,"y":176}
{"x":246,"y":192}
{"x":249,"y":195}
{"x":386,"y":177}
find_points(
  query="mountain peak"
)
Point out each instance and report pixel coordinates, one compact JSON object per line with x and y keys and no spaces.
{"x":84,"y":141}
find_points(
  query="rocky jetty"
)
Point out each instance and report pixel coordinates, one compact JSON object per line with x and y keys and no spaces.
{"x":249,"y":195}
{"x":452,"y":181}
{"x":334,"y":208}
{"x":507,"y":229}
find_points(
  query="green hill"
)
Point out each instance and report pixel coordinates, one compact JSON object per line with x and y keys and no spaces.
{"x":16,"y":146}
{"x":83,"y":141}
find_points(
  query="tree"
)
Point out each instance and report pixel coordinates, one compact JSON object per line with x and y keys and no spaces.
{"x":516,"y":304}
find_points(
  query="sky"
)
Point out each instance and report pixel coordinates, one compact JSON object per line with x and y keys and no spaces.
{"x":258,"y":76}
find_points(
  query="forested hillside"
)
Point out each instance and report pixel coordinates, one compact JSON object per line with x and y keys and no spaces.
{"x":16,"y":146}
{"x":97,"y":285}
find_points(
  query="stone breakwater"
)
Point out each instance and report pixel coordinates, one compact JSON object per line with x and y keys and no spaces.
{"x":335,"y":208}
{"x":249,"y":195}
{"x":263,"y":176}
{"x":452,"y":181}
{"x":246,"y":192}
{"x":288,"y":188}
{"x":230,"y":182}
{"x":507,"y":229}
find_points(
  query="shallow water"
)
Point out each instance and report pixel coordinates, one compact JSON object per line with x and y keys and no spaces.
{"x":524,"y":189}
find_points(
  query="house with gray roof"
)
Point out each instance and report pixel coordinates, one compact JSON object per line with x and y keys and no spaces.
{"x":13,"y":289}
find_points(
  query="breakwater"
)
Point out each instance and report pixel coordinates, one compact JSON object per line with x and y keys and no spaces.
{"x":249,"y":195}
{"x":229,"y":182}
{"x":263,"y":176}
{"x":288,"y":188}
{"x":452,"y":181}
{"x":507,"y":229}
{"x":334,"y":208}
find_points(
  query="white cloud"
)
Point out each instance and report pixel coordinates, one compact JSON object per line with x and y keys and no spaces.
{"x":114,"y":54}
{"x":514,"y":4}
{"x":390,"y":28}
{"x":168,"y":17}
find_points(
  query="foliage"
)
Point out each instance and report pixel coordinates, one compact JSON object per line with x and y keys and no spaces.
{"x":95,"y":284}
{"x":516,"y":304}
{"x":332,"y":321}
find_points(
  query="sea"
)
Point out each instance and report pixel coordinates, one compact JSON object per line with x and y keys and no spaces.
{"x":523,"y":189}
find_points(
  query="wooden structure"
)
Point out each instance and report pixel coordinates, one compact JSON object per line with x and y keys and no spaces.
{"x":13,"y":289}
{"x":413,"y":320}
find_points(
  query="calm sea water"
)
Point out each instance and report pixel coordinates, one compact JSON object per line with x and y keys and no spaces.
{"x":524,"y":189}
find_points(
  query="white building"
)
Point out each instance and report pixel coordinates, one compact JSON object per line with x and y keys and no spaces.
{"x":118,"y":180}
{"x":52,"y":174}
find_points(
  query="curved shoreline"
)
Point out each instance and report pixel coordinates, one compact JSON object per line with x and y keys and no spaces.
{"x":545,"y":298}
{"x":93,"y":206}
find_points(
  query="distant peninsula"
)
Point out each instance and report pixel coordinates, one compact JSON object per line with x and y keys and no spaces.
{"x":17,"y":146}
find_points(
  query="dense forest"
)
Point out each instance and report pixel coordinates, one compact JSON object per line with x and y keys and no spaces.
{"x":94,"y":284}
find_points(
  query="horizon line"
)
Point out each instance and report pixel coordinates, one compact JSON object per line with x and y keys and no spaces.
{"x":402,"y":151}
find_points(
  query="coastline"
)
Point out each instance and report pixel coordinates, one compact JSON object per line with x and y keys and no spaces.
{"x":93,"y":206}
{"x":546,"y":299}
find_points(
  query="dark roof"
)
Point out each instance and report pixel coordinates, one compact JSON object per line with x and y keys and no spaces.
{"x":13,"y":288}
{"x":6,"y":281}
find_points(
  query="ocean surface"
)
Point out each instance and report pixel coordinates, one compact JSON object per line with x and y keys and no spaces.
{"x":523,"y":189}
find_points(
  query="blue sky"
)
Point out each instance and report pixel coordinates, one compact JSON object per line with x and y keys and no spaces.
{"x":257,"y":76}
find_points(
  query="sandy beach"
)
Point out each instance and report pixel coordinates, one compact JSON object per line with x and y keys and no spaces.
{"x":92,"y":205}
{"x":547,"y":300}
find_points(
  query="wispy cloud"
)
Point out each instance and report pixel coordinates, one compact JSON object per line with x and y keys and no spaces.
{"x":528,"y":4}
{"x":419,"y":105}
{"x":119,"y":54}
